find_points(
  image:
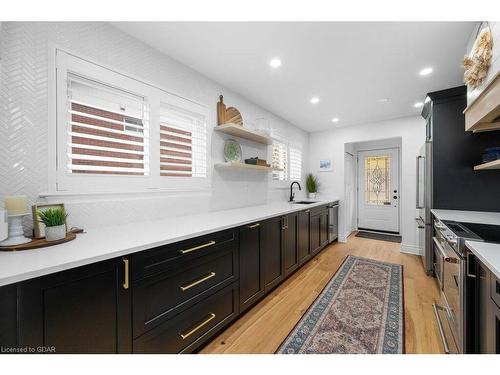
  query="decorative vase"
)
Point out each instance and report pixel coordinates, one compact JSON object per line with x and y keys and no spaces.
{"x":55,"y":233}
{"x":16,"y":232}
{"x":311,"y":195}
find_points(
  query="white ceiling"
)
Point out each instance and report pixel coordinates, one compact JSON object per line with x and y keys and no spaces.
{"x":350,"y":66}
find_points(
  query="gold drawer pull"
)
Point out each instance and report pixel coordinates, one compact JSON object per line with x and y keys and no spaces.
{"x":199,"y":281}
{"x":253,"y":226}
{"x":210,"y":243}
{"x":211,"y":317}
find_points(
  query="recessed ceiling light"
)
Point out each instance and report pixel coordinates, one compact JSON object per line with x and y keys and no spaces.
{"x":383,"y":100}
{"x":418,"y":104}
{"x":275,"y":63}
{"x":426,"y":71}
{"x":314,"y":100}
{"x":335,"y":119}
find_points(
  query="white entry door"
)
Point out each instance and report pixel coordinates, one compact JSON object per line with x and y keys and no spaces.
{"x":378,"y":190}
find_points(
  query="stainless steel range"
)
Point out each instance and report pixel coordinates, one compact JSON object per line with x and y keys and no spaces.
{"x":451,"y":265}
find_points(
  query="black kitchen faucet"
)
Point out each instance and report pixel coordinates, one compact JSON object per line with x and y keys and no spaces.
{"x":292,"y":194}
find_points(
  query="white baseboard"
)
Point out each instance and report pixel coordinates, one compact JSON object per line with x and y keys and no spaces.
{"x":343,"y":238}
{"x":411,"y":249}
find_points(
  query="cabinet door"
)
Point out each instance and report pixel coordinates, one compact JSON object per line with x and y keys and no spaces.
{"x":315,"y":233}
{"x":251,"y":265}
{"x":495,"y":317}
{"x":272,"y":252}
{"x":290,"y":243}
{"x":8,"y":316}
{"x":84,"y":310}
{"x":304,"y":240}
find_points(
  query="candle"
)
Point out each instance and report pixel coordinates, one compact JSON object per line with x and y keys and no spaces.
{"x":16,"y":205}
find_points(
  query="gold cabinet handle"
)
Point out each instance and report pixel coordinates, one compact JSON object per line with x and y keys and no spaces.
{"x":210,"y":317}
{"x":253,"y":226}
{"x":210,"y":243}
{"x":126,"y":274}
{"x":199,"y":281}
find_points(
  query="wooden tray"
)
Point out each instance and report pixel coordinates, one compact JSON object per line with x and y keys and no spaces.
{"x":37,"y":243}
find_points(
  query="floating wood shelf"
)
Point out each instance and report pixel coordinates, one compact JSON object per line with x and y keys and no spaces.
{"x":240,"y":131}
{"x":490,"y":165}
{"x":483,"y":114}
{"x":237,"y":165}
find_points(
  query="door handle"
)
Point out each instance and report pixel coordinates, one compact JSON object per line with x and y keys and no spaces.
{"x":441,"y":329}
{"x":467,"y":265}
{"x":418,"y":206}
{"x":284,"y":222}
{"x":420,"y":223}
{"x":126,"y":274}
{"x":253,"y":226}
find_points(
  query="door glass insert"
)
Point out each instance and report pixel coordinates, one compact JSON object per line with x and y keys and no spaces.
{"x":377,"y":180}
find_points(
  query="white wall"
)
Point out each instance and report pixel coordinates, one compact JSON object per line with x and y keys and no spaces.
{"x":495,"y":59}
{"x":331,"y":144}
{"x":24,"y":125}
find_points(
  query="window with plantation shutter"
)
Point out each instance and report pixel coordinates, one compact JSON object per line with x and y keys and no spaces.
{"x":183,"y":142}
{"x":280,"y":161}
{"x":115,"y":133}
{"x":295,"y":164}
{"x":107,"y":130}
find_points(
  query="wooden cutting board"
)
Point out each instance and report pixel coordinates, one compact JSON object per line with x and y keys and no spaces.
{"x":37,"y":243}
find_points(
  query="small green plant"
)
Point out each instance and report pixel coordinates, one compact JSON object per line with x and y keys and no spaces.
{"x":52,"y":217}
{"x":312,"y":183}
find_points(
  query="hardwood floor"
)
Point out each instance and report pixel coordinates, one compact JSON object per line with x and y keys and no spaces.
{"x":264,"y":327}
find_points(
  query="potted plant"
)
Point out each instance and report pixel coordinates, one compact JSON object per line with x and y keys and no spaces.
{"x":312,"y":185}
{"x":55,"y":223}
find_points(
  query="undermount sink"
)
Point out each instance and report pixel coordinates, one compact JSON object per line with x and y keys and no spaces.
{"x":303,"y":202}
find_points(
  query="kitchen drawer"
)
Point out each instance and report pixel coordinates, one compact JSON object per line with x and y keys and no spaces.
{"x":159,"y":259}
{"x":189,"y":329}
{"x":158,"y":297}
{"x":495,"y":289}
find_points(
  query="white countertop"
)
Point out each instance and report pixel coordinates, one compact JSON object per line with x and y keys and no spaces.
{"x":488,"y":254}
{"x":478,"y":217}
{"x":99,"y":244}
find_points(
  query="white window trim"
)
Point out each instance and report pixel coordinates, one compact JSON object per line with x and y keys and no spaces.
{"x":117,"y":184}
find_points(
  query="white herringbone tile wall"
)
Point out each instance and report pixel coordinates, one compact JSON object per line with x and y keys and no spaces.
{"x":24,"y":125}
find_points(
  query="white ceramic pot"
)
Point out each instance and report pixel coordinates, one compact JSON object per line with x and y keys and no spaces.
{"x":55,"y":233}
{"x":311,"y":195}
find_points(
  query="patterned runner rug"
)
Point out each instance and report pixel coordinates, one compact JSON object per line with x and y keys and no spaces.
{"x":360,"y":310}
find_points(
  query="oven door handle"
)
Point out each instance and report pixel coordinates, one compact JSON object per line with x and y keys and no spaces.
{"x":441,"y":329}
{"x":445,"y":256}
